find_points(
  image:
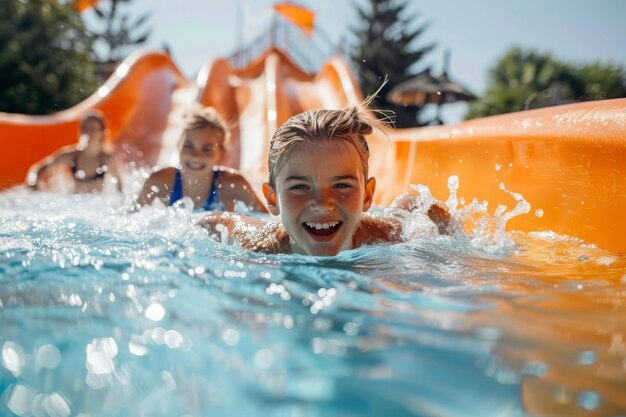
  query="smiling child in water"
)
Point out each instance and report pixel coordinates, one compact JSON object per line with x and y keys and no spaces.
{"x":319,"y":186}
{"x":210,"y":187}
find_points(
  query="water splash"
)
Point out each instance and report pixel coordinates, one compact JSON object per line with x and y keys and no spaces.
{"x":138,"y":312}
{"x":473,"y":222}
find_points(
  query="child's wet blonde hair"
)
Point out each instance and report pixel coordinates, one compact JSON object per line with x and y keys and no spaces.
{"x":200,"y":117}
{"x":349,"y":125}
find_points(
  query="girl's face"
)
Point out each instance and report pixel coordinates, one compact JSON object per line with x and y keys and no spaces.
{"x":200,"y":150}
{"x":320,"y":195}
{"x":92,"y":132}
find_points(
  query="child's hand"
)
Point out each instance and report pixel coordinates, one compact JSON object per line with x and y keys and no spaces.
{"x":216,"y":223}
{"x":441,"y":217}
{"x":406,"y":201}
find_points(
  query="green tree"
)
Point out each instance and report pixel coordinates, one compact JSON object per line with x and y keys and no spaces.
{"x":526,"y":79}
{"x":386,"y":48}
{"x":118,"y":35}
{"x":600,"y":82}
{"x":44,"y":57}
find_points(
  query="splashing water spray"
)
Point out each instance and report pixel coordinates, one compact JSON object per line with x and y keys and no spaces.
{"x":483,"y":231}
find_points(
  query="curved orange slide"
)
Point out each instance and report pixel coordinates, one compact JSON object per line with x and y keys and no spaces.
{"x":568,"y":162}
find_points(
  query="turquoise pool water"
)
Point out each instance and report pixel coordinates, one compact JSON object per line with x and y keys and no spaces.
{"x":105,"y":313}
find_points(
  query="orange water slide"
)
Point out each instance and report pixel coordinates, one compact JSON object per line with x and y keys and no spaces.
{"x":568,"y":162}
{"x":136,"y":100}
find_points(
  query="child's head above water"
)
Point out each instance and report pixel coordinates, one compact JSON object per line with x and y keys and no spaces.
{"x":206,"y":119}
{"x":94,"y":119}
{"x":320,"y":126}
{"x":203,"y":141}
{"x":318,"y":184}
{"x":93,"y":128}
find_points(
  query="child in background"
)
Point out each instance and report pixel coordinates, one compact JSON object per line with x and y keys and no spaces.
{"x":319,"y":186}
{"x":202,"y":147}
{"x":87,"y":161}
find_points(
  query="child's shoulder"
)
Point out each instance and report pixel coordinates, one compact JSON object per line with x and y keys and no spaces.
{"x":163,"y":175}
{"x":65,"y":154}
{"x":229,"y":174}
{"x":237,"y":185}
{"x":377,"y":228}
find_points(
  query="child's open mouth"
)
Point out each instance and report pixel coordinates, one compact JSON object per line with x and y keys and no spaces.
{"x":322,"y":229}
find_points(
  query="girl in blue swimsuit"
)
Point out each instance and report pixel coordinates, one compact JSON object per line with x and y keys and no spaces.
{"x":209,"y":186}
{"x":212,"y":203}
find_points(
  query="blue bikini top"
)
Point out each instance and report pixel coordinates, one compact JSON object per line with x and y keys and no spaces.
{"x":212,"y":203}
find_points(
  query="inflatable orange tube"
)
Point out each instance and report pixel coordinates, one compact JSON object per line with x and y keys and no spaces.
{"x":568,"y":162}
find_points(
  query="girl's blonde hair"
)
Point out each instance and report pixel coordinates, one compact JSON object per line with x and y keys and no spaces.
{"x":349,"y":125}
{"x":200,"y":117}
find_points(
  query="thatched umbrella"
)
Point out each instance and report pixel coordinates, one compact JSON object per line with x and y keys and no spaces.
{"x":426,"y":89}
{"x":452,"y":91}
{"x":416,"y":91}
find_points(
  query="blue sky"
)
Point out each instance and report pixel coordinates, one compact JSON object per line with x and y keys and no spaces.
{"x":477,"y":32}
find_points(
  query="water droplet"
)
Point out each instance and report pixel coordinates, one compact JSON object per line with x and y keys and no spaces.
{"x":230,"y":337}
{"x":173,"y":339}
{"x":137,"y":345}
{"x":263,"y":358}
{"x":20,"y":399}
{"x":587,"y":357}
{"x":48,"y":356}
{"x":100,"y":354}
{"x":12,"y":357}
{"x":539,"y":213}
{"x":155,"y":312}
{"x":589,"y":400}
{"x":54,"y":405}
{"x":535,"y":368}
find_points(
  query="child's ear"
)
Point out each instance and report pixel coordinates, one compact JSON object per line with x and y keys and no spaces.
{"x":270,"y":196}
{"x":368,"y":198}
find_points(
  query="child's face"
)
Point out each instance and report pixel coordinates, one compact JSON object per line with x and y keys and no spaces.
{"x":200,"y":150}
{"x":320,"y":194}
{"x":93,"y":129}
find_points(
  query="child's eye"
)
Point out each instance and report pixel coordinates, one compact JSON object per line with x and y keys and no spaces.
{"x":343,"y":185}
{"x":299,"y":187}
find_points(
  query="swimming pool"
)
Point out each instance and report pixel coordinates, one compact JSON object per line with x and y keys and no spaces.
{"x":105,"y":313}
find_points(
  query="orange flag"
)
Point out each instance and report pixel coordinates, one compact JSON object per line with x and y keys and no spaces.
{"x":298,"y":15}
{"x":82,"y":5}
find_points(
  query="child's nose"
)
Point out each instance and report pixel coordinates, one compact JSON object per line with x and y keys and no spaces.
{"x":323,"y":198}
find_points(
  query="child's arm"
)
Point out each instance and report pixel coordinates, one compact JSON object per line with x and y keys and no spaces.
{"x":236,"y":188}
{"x":440,"y":215}
{"x":252,"y":234}
{"x":157,"y":186}
{"x":437,"y":212}
{"x":61,"y":157}
{"x":377,"y":229}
